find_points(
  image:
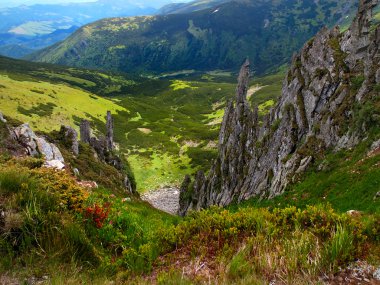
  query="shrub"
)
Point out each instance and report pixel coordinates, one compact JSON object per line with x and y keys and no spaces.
{"x":97,"y":214}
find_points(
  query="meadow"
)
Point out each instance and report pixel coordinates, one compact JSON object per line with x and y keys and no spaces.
{"x":166,"y":127}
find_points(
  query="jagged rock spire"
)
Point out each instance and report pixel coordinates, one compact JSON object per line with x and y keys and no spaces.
{"x":260,"y":160}
{"x":85,"y":131}
{"x":243,"y":81}
{"x":364,"y":16}
{"x":109,"y":135}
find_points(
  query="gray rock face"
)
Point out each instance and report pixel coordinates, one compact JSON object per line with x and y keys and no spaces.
{"x":36,"y":146}
{"x":109,"y":135}
{"x":104,"y":148}
{"x":312,"y":115}
{"x":70,"y":137}
{"x":85,"y":131}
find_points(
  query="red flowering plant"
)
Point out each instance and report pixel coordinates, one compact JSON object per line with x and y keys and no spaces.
{"x":98,"y":214}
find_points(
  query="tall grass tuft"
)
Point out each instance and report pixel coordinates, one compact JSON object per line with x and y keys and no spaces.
{"x":340,"y":248}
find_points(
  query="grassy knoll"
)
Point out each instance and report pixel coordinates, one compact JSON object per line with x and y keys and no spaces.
{"x":46,"y":106}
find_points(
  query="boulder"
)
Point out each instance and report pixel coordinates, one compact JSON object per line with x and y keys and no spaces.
{"x":56,"y":164}
{"x":2,"y":118}
{"x":39,"y":146}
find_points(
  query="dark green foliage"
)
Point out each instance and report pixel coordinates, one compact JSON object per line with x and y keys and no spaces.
{"x":268,"y":32}
{"x":200,"y":156}
{"x":40,"y":110}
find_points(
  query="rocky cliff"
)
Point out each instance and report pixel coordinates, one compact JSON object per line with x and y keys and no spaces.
{"x":329,"y":84}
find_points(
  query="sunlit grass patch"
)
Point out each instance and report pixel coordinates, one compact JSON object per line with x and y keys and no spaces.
{"x":60,"y":102}
{"x":159,"y":170}
{"x":265,"y":107}
{"x":179,"y":85}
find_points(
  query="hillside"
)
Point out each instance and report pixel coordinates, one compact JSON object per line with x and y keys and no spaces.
{"x":329,"y":103}
{"x":269,"y":32}
{"x":183,"y":8}
{"x":286,"y":169}
{"x":27,"y":28}
{"x":167,"y":127}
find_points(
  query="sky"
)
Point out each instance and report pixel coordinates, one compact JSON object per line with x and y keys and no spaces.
{"x":13,"y":3}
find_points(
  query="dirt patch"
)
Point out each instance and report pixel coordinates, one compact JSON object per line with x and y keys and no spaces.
{"x":253,"y":90}
{"x":165,"y":199}
{"x":145,"y":130}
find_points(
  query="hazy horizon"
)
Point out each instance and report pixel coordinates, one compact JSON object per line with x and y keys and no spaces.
{"x":153,"y":3}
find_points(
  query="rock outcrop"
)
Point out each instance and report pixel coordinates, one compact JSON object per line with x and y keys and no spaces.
{"x":326,"y":84}
{"x":85,"y":131}
{"x":38,"y":146}
{"x":104,"y":148}
{"x":109,"y":134}
{"x":70,"y":138}
{"x":2,"y":119}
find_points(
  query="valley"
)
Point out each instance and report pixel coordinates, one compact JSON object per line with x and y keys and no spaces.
{"x":217,"y":142}
{"x":167,"y":128}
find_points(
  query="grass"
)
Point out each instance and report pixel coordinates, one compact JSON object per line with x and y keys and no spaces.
{"x":58,"y":105}
{"x":47,"y":232}
{"x":348,"y":180}
{"x":167,"y":128}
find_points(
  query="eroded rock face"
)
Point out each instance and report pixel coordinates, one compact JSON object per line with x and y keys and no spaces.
{"x":109,"y":135}
{"x":85,"y":131}
{"x":104,"y":148}
{"x":70,"y":137}
{"x":318,"y":97}
{"x":38,"y":146}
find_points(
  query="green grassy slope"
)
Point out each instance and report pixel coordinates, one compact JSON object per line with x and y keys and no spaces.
{"x":167,"y":128}
{"x":269,"y":32}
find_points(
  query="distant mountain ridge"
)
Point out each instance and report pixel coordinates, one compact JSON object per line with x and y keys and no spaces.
{"x":215,"y":38}
{"x":26,"y":28}
{"x":197,"y":5}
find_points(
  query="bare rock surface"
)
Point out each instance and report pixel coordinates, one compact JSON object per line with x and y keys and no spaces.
{"x":165,"y":199}
{"x":38,"y":146}
{"x":313,"y":114}
{"x":2,"y":118}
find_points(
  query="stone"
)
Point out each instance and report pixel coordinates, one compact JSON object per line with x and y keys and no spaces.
{"x":354,"y":213}
{"x":260,"y":160}
{"x":2,"y":118}
{"x":70,"y":138}
{"x":128,"y":185}
{"x":26,"y":137}
{"x":57,"y":164}
{"x":35,"y":145}
{"x":88,"y":184}
{"x":375,"y":148}
{"x":109,"y":134}
{"x":85,"y":131}
{"x":76,"y":172}
{"x":377,"y":196}
{"x":376,"y":274}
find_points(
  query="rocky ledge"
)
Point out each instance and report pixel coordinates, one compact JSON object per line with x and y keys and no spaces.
{"x":332,"y":75}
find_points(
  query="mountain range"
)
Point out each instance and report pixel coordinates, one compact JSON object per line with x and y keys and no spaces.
{"x":268,"y":32}
{"x":30,"y":27}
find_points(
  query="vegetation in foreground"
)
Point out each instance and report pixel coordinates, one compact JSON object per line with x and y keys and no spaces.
{"x":57,"y":232}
